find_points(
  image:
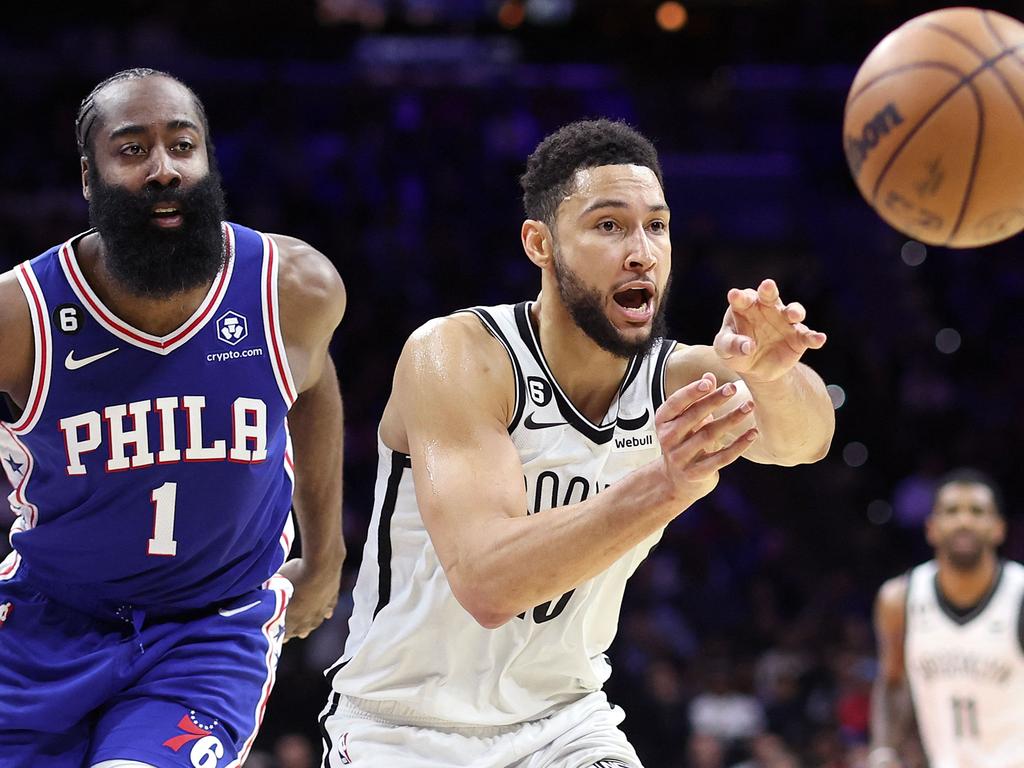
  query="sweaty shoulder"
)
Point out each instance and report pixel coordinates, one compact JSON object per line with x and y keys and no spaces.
{"x":449,"y":364}
{"x":16,"y":340}
{"x":312,"y":298}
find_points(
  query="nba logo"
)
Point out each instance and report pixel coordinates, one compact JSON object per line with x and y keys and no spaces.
{"x":5,"y":612}
{"x":232,"y":328}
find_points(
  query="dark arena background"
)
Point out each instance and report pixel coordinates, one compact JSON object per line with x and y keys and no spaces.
{"x":390,"y":134}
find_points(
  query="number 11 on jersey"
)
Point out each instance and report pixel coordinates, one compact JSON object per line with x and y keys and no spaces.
{"x":163,"y":542}
{"x":965,"y":718}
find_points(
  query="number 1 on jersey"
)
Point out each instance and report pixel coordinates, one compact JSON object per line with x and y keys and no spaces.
{"x":163,"y":542}
{"x":965,"y":718}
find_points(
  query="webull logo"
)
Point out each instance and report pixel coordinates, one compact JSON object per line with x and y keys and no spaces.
{"x":634,"y":442}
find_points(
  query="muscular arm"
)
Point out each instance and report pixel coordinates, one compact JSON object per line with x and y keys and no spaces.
{"x":16,"y":341}
{"x":312,"y":299}
{"x":794,"y":414}
{"x":453,"y":398}
{"x":892,"y":717}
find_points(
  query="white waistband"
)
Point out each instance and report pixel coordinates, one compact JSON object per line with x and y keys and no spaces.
{"x":396,"y":713}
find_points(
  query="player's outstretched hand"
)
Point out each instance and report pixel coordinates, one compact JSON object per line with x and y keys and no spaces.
{"x":762,"y":338}
{"x":314,"y":598}
{"x":695,"y":444}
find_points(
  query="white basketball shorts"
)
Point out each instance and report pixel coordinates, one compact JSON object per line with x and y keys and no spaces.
{"x":584,"y":734}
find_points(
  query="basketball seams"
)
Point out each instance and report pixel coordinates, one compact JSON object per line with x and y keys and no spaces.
{"x":954,"y":35}
{"x":946,"y":192}
{"x":912,"y":132}
{"x":968,"y":81}
{"x":986,"y":15}
{"x":969,"y":187}
{"x":992,"y":30}
{"x":904,"y":68}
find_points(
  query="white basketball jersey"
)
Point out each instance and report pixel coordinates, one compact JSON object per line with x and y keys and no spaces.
{"x":413,"y":648}
{"x":966,"y":672}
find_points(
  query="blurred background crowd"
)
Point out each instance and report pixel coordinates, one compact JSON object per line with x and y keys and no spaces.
{"x":390,"y":134}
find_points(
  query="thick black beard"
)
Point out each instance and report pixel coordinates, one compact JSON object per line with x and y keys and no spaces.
{"x":585,"y":306}
{"x":154,"y":262}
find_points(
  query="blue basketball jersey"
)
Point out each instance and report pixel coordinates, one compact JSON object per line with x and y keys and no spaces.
{"x":149,"y":471}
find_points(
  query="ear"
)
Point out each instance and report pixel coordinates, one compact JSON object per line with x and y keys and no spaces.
{"x":537,"y":242}
{"x":999,"y":532}
{"x":929,"y":529}
{"x":85,"y":176}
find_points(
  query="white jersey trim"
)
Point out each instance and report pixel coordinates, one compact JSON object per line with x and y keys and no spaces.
{"x":43,"y":344}
{"x":273,"y":631}
{"x":27,"y":512}
{"x":272,"y":322}
{"x":538,"y":352}
{"x":162,"y":345}
{"x":492,"y":327}
{"x":10,"y":566}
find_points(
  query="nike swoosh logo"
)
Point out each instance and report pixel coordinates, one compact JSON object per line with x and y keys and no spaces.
{"x":636,"y":423}
{"x":73,"y":365}
{"x":227,"y":612}
{"x":529,"y":423}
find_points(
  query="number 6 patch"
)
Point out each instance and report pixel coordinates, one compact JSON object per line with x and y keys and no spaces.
{"x":68,"y":318}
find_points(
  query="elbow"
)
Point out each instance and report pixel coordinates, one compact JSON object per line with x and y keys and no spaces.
{"x":808,"y":453}
{"x":487,"y":613}
{"x":491,"y":620}
{"x":815,"y":453}
{"x":482,"y":604}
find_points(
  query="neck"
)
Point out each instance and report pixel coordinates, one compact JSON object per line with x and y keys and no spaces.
{"x":156,"y":316}
{"x":967,"y":588}
{"x":589,"y":375}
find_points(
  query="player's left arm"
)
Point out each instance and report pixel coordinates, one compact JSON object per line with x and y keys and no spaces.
{"x":759,"y":347}
{"x":312,"y":301}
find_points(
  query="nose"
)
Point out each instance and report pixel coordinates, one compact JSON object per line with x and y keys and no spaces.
{"x":162,"y":169}
{"x":640,"y":256}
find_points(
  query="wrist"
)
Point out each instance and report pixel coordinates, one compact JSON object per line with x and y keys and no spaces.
{"x":780,"y":381}
{"x":324,"y":557}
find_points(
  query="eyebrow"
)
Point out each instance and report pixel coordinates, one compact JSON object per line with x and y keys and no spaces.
{"x":612,"y":203}
{"x":133,"y":129}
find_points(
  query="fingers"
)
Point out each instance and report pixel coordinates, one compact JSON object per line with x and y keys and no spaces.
{"x":687,"y":408}
{"x":712,"y":462}
{"x":698,"y":426}
{"x":768,"y":291}
{"x":301,"y":626}
{"x":729,"y":345}
{"x":741,"y":299}
{"x":706,"y":437}
{"x":684,"y":397}
{"x":809,"y":338}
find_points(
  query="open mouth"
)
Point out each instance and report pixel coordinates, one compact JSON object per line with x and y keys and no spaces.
{"x":636,"y":299}
{"x":166,"y":215}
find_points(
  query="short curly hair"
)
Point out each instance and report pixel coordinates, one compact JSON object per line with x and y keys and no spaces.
{"x":972,"y":476}
{"x":550,"y":170}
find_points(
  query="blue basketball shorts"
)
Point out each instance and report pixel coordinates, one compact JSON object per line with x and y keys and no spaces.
{"x":175,"y":692}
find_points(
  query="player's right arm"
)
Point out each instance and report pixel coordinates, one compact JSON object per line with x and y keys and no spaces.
{"x":16,"y":341}
{"x":892,"y":715}
{"x":452,"y":402}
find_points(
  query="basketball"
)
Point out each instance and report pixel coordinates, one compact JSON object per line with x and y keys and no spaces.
{"x":934,"y":127}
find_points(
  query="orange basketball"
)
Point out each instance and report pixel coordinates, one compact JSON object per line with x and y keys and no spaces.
{"x":934,"y":127}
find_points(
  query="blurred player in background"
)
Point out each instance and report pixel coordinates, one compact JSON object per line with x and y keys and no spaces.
{"x":951,"y":641}
{"x":530,"y":457}
{"x":150,"y":363}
